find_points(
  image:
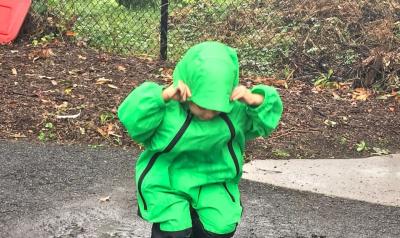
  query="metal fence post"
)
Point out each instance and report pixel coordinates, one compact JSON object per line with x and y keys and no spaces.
{"x":164,"y":30}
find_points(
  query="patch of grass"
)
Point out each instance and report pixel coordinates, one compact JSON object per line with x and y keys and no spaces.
{"x":106,"y":25}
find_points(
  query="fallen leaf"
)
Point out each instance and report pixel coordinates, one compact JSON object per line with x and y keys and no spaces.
{"x":82,"y":57}
{"x":38,"y":54}
{"x":68,"y":91}
{"x":82,"y":130}
{"x":103,"y":80}
{"x":112,"y":86}
{"x":271,"y":81}
{"x":105,"y":199}
{"x":14,"y":71}
{"x":102,"y":132}
{"x":110,"y":129}
{"x":121,"y":68}
{"x":70,"y":33}
{"x":392,"y":109}
{"x":47,"y":53}
{"x":361,"y":94}
{"x":54,"y":82}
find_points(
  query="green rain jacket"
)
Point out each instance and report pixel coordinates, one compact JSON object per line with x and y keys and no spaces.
{"x":183,"y":153}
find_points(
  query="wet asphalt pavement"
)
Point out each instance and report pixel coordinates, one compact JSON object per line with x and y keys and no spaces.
{"x":55,"y":191}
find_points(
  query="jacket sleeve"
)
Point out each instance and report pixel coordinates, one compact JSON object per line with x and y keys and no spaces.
{"x":142,"y":111}
{"x":263,"y":119}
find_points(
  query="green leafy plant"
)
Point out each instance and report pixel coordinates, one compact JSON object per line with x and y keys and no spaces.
{"x":44,"y":39}
{"x":47,"y":132}
{"x":361,"y":146}
{"x":106,"y":117}
{"x":325,"y":80}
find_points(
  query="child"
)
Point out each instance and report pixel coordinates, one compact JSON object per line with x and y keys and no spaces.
{"x":194,"y":133}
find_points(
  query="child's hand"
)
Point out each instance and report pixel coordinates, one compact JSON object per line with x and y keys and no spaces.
{"x":245,"y":95}
{"x":180,"y":93}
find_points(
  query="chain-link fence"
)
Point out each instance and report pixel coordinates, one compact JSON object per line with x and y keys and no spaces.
{"x":305,"y":38}
{"x":133,"y":26}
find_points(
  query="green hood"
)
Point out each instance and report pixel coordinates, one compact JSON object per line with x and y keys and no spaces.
{"x":211,"y":70}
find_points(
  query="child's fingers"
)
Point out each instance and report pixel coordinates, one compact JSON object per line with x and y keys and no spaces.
{"x":237,"y":93}
{"x":234,"y":93}
{"x":188,"y":91}
{"x":182,"y":90}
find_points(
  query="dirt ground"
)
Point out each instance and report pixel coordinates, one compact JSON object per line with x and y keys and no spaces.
{"x":67,"y":94}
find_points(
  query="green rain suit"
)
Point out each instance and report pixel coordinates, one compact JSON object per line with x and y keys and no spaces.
{"x":190,"y":162}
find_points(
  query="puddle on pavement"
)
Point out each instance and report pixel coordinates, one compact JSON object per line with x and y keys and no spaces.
{"x":88,"y":218}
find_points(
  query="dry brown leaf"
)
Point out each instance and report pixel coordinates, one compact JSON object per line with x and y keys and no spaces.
{"x":271,"y":81}
{"x":361,"y":94}
{"x":166,"y":74}
{"x":105,"y":199}
{"x":110,"y":128}
{"x":47,"y":53}
{"x":41,"y":54}
{"x":106,"y":130}
{"x":70,"y":33}
{"x":392,"y":109}
{"x":102,"y":132}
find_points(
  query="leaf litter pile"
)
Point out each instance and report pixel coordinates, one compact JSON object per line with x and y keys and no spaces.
{"x":65,"y":94}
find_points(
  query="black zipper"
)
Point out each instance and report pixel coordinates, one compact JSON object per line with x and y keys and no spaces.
{"x":157,"y":154}
{"x":227,"y":190}
{"x":230,"y":146}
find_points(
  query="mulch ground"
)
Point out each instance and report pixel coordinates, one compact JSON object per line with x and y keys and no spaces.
{"x":66,"y":94}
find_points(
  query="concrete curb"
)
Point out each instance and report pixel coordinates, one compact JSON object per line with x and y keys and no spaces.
{"x":375,"y":179}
